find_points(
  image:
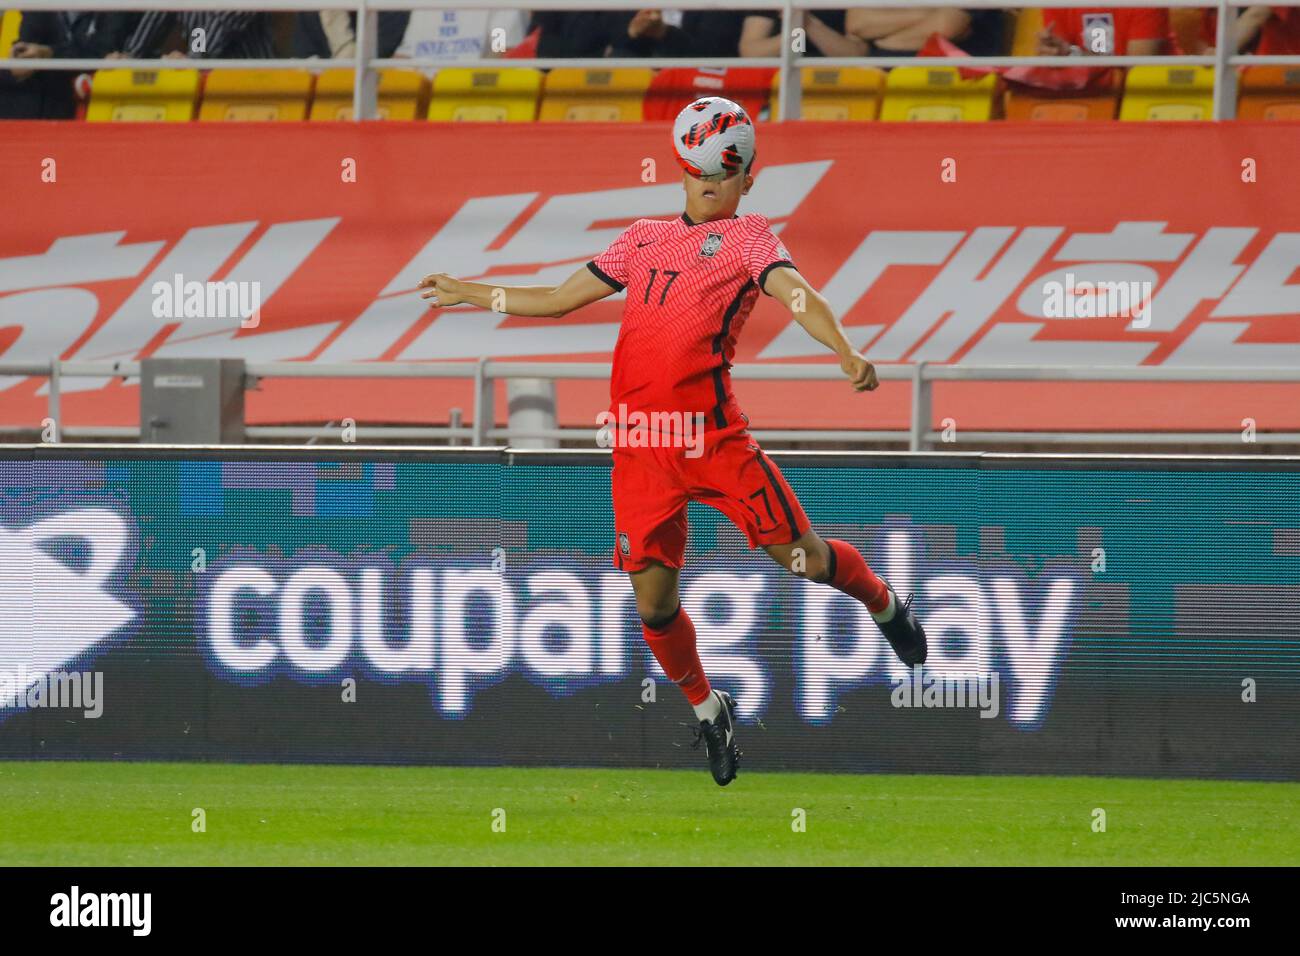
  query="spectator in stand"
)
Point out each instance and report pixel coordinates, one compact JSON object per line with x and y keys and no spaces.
{"x":332,"y":34}
{"x":451,"y":35}
{"x":760,"y":34}
{"x":654,"y":32}
{"x":1104,"y":31}
{"x":65,"y":35}
{"x":1263,"y":30}
{"x":574,"y":34}
{"x":202,"y":35}
{"x":903,"y":31}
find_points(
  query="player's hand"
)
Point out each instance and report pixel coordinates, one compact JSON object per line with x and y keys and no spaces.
{"x":860,"y":372}
{"x":443,"y":290}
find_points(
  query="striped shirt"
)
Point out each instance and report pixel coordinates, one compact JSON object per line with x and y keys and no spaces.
{"x":227,"y":34}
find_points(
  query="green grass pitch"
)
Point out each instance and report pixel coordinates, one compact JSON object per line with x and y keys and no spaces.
{"x":102,"y":814}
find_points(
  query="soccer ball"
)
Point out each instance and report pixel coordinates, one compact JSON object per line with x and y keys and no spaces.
{"x":713,"y":138}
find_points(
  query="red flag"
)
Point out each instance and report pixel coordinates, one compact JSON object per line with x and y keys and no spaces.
{"x":525,"y":48}
{"x":1039,"y":77}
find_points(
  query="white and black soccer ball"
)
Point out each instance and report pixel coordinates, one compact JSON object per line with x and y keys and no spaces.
{"x":713,"y":137}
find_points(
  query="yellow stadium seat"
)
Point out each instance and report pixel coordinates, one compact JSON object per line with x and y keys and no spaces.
{"x":9,"y":24}
{"x":255,"y":95}
{"x":1168,"y":93}
{"x":936,"y":94}
{"x":849,"y":93}
{"x":1029,"y":23}
{"x":575,"y":94}
{"x":1269,"y":93}
{"x":143,"y":95}
{"x":469,"y":95}
{"x":403,"y":95}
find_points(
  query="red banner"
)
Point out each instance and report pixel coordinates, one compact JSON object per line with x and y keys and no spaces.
{"x":1039,"y":244}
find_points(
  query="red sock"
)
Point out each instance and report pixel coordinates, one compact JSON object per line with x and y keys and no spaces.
{"x":673,"y":646}
{"x":850,"y":574}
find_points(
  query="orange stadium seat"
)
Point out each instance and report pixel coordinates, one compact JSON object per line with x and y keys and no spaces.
{"x":936,"y":94}
{"x":1025,"y":103}
{"x":476,"y":95}
{"x":255,"y":95}
{"x":846,"y":93}
{"x":577,"y":94}
{"x":9,"y":24}
{"x":1269,"y":93}
{"x":118,"y":96}
{"x":1168,"y":93}
{"x":675,"y":87}
{"x":403,"y":95}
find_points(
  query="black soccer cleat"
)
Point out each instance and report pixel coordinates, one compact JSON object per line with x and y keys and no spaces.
{"x":719,"y":736}
{"x":905,"y":633}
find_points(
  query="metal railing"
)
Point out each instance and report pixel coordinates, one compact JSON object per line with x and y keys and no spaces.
{"x":920,"y":434}
{"x":367,"y":62}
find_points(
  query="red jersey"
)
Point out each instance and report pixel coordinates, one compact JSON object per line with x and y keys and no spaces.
{"x":1279,"y":36}
{"x":1107,"y":30}
{"x":690,"y":288}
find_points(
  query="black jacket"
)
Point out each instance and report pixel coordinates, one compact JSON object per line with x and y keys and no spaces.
{"x":48,"y":94}
{"x":573,"y":34}
{"x":309,"y":36}
{"x":702,"y":33}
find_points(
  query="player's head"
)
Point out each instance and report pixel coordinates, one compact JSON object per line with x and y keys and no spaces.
{"x":713,"y":140}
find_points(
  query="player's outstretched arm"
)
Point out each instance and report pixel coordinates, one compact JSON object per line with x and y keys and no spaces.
{"x":811,"y":310}
{"x":574,"y":292}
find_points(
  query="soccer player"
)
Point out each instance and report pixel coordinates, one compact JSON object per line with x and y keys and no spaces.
{"x":691,"y":283}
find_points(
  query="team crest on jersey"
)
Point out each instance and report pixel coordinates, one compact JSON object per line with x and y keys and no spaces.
{"x":624,"y":545}
{"x":712,"y":243}
{"x":1099,"y":33}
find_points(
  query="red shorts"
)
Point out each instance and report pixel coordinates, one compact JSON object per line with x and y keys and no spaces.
{"x":651,"y":487}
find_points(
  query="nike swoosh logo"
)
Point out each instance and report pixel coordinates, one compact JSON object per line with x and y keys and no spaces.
{"x":651,"y":242}
{"x":731,"y":727}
